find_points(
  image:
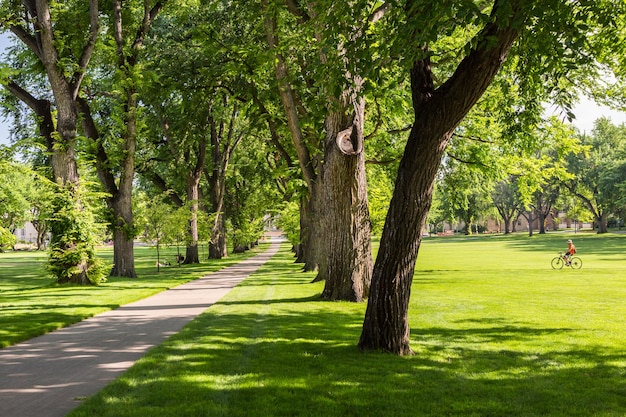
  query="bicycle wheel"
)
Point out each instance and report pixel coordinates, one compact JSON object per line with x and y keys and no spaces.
{"x":576,"y":262}
{"x":557,"y":263}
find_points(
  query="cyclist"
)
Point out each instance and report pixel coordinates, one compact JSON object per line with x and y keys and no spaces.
{"x":571,"y":250}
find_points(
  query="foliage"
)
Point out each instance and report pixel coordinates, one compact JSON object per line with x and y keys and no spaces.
{"x":16,"y":191}
{"x":7,"y":239}
{"x":464,"y":193}
{"x":161,"y":223}
{"x":599,"y":174}
{"x":379,"y":190}
{"x":75,"y":234}
{"x":289,"y":222}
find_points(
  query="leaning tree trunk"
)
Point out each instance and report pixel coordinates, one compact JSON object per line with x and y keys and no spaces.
{"x":437,"y":113}
{"x":346,"y":261}
{"x":386,"y":324}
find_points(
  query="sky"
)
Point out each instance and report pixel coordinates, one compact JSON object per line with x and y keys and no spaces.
{"x":586,"y":111}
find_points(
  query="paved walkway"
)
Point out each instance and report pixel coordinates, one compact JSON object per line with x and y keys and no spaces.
{"x":49,"y":375}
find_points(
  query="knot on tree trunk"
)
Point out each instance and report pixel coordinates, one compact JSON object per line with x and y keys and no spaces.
{"x":348,"y":141}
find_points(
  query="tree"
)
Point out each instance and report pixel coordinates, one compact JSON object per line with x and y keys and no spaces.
{"x":60,"y":40}
{"x":251,"y":193}
{"x":438,"y":109}
{"x":464,"y":191}
{"x":506,"y":199}
{"x":16,"y":188}
{"x":7,"y":239}
{"x":599,"y":179}
{"x":159,"y":222}
{"x":117,"y":114}
{"x":321,"y":90}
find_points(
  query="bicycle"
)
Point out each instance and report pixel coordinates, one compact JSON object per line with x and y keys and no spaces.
{"x":574,"y":262}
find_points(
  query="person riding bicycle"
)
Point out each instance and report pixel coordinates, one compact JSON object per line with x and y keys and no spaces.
{"x":571,"y":250}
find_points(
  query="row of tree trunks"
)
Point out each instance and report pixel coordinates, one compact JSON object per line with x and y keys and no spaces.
{"x":335,"y":232}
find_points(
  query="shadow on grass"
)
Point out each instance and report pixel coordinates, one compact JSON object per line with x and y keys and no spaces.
{"x":586,"y":243}
{"x":590,"y":243}
{"x":308,"y":364}
{"x":291,"y":354}
{"x":16,"y":326}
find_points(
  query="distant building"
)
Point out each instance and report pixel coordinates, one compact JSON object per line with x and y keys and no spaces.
{"x":27,"y":234}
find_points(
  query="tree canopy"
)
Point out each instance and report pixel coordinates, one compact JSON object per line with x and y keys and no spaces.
{"x":350,"y":114}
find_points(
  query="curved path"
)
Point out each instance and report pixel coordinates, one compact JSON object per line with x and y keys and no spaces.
{"x":49,"y":375}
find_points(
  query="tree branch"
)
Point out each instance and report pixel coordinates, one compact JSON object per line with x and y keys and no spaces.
{"x":26,"y":38}
{"x":294,"y":9}
{"x":380,"y":12}
{"x":87,"y":52}
{"x":472,"y":138}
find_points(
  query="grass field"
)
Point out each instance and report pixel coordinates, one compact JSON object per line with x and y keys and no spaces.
{"x":32,"y":304}
{"x":495,"y":330}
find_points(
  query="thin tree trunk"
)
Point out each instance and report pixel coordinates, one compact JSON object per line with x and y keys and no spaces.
{"x":193,"y":197}
{"x":308,"y":242}
{"x":191,"y":253}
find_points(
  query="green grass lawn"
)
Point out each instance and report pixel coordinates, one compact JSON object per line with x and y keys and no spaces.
{"x":31,"y":303}
{"x":495,"y":330}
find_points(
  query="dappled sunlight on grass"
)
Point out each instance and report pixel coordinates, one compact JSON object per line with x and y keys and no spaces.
{"x":31,"y":303}
{"x":515,"y":340}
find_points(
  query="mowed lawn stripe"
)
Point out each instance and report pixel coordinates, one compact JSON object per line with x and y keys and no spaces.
{"x":495,"y":330}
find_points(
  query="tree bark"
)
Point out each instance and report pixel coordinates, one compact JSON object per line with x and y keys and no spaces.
{"x":308,"y":243}
{"x":60,"y":137}
{"x":337,"y":234}
{"x":119,"y":200}
{"x":311,"y":239}
{"x":346,"y":262}
{"x":191,"y":253}
{"x":222,"y":148}
{"x":193,"y":197}
{"x":437,"y":113}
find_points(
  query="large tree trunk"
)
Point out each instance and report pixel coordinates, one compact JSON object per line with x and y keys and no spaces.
{"x":72,"y":255}
{"x":119,"y":200}
{"x":437,"y":113}
{"x":338,"y":233}
{"x":346,"y":261}
{"x":386,"y":324}
{"x":124,"y":261}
